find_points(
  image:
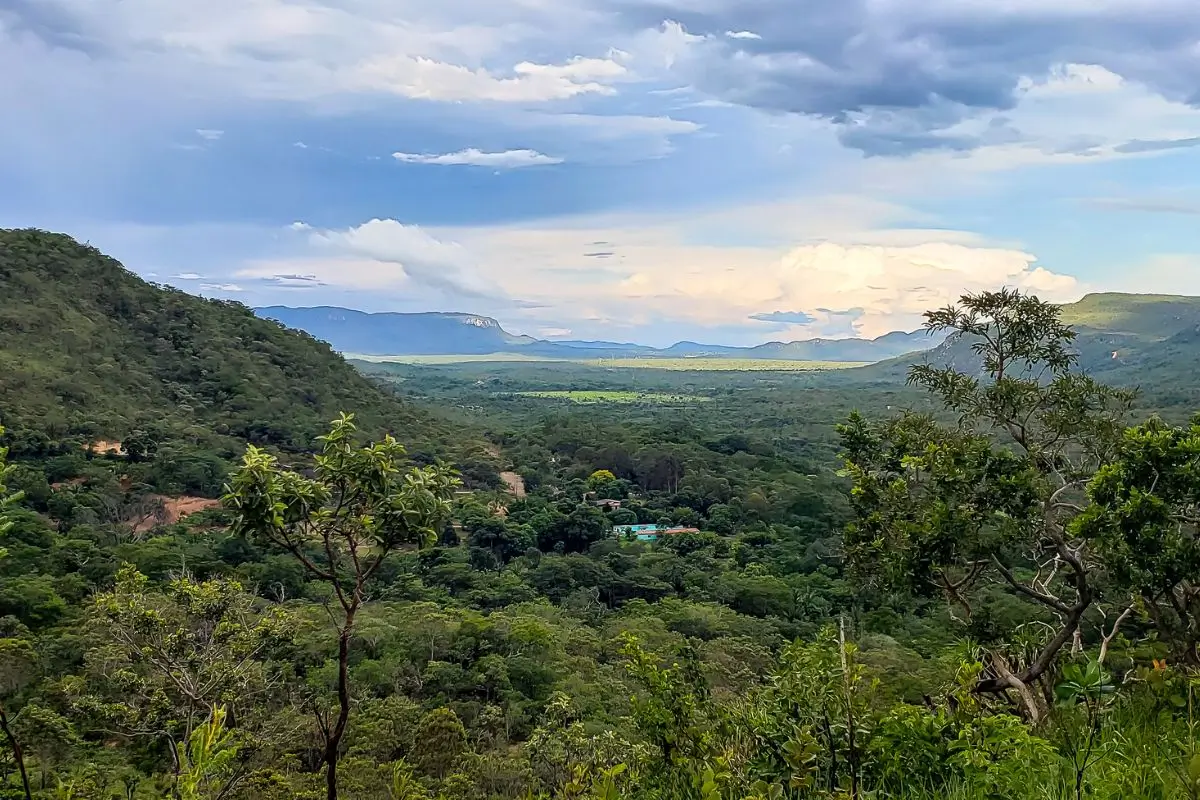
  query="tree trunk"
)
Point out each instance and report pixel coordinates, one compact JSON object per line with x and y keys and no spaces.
{"x":18,"y":753}
{"x":333,"y":742}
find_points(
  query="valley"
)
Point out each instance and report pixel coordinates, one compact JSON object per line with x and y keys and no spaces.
{"x":707,"y":576}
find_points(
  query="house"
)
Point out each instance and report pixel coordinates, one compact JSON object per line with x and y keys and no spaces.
{"x":609,"y":504}
{"x":649,"y":533}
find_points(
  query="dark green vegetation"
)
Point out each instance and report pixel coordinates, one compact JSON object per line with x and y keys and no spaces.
{"x":992,"y":595}
{"x":90,"y":350}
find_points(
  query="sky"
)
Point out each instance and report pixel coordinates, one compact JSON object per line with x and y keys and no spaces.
{"x":725,"y":171}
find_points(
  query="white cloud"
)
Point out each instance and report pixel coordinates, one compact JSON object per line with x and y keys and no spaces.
{"x":426,"y":79}
{"x":221,"y":287}
{"x":676,"y":270}
{"x":346,"y":272}
{"x":209,"y":134}
{"x":188,"y":276}
{"x":742,"y":35}
{"x":407,"y":251}
{"x":507,"y":159}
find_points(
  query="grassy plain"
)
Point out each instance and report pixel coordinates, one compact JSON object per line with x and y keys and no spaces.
{"x":697,"y":364}
{"x":657,"y":398}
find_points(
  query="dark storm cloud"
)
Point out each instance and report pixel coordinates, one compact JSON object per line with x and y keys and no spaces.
{"x":51,"y":24}
{"x":865,"y":63}
{"x":791,"y":317}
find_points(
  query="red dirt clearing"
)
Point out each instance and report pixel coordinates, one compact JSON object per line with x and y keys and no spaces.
{"x":514,"y":482}
{"x":173,"y":509}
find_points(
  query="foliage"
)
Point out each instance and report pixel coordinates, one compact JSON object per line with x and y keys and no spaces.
{"x":1145,"y":519}
{"x":341,"y":525}
{"x":954,"y":507}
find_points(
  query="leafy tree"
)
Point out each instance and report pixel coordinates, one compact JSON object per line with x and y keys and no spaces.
{"x":441,"y":741}
{"x":170,"y":657}
{"x":47,"y":735}
{"x":574,"y":532}
{"x":342,"y":525}
{"x":139,"y":446}
{"x":606,"y":486}
{"x":990,"y":499}
{"x":1144,"y":518}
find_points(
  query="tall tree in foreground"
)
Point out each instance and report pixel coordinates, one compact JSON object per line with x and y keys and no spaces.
{"x":341,"y":524}
{"x":990,"y":499}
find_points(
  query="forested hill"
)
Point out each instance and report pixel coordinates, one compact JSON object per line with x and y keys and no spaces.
{"x":1147,"y":341}
{"x":89,"y":351}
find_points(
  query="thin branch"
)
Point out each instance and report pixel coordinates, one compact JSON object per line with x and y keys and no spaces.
{"x":1112,"y":634}
{"x":1029,"y":591}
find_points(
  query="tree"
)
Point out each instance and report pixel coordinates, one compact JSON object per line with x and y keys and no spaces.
{"x":575,"y":532}
{"x":442,"y":740}
{"x":18,"y":664}
{"x":1144,"y":519}
{"x":991,"y":498}
{"x":341,"y":525}
{"x":605,"y":485}
{"x":172,"y":656}
{"x":139,"y":446}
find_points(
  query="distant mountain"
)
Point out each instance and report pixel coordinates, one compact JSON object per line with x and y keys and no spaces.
{"x":432,"y":333}
{"x":357,"y":332}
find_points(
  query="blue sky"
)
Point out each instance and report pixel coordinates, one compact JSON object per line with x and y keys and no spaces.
{"x":720,"y":170}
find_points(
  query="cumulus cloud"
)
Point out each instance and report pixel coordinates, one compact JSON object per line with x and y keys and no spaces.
{"x":506,"y":159}
{"x":427,"y":79}
{"x":870,"y":282}
{"x":417,"y":255}
{"x":742,"y":35}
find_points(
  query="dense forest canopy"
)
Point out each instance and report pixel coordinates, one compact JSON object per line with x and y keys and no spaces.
{"x":214,"y":584}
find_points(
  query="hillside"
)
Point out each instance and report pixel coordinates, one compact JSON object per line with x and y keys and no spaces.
{"x":360,"y":333}
{"x":1127,"y":339}
{"x":90,"y":351}
{"x":1147,"y":316}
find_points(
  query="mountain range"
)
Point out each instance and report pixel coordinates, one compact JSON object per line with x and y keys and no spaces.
{"x":432,"y":333}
